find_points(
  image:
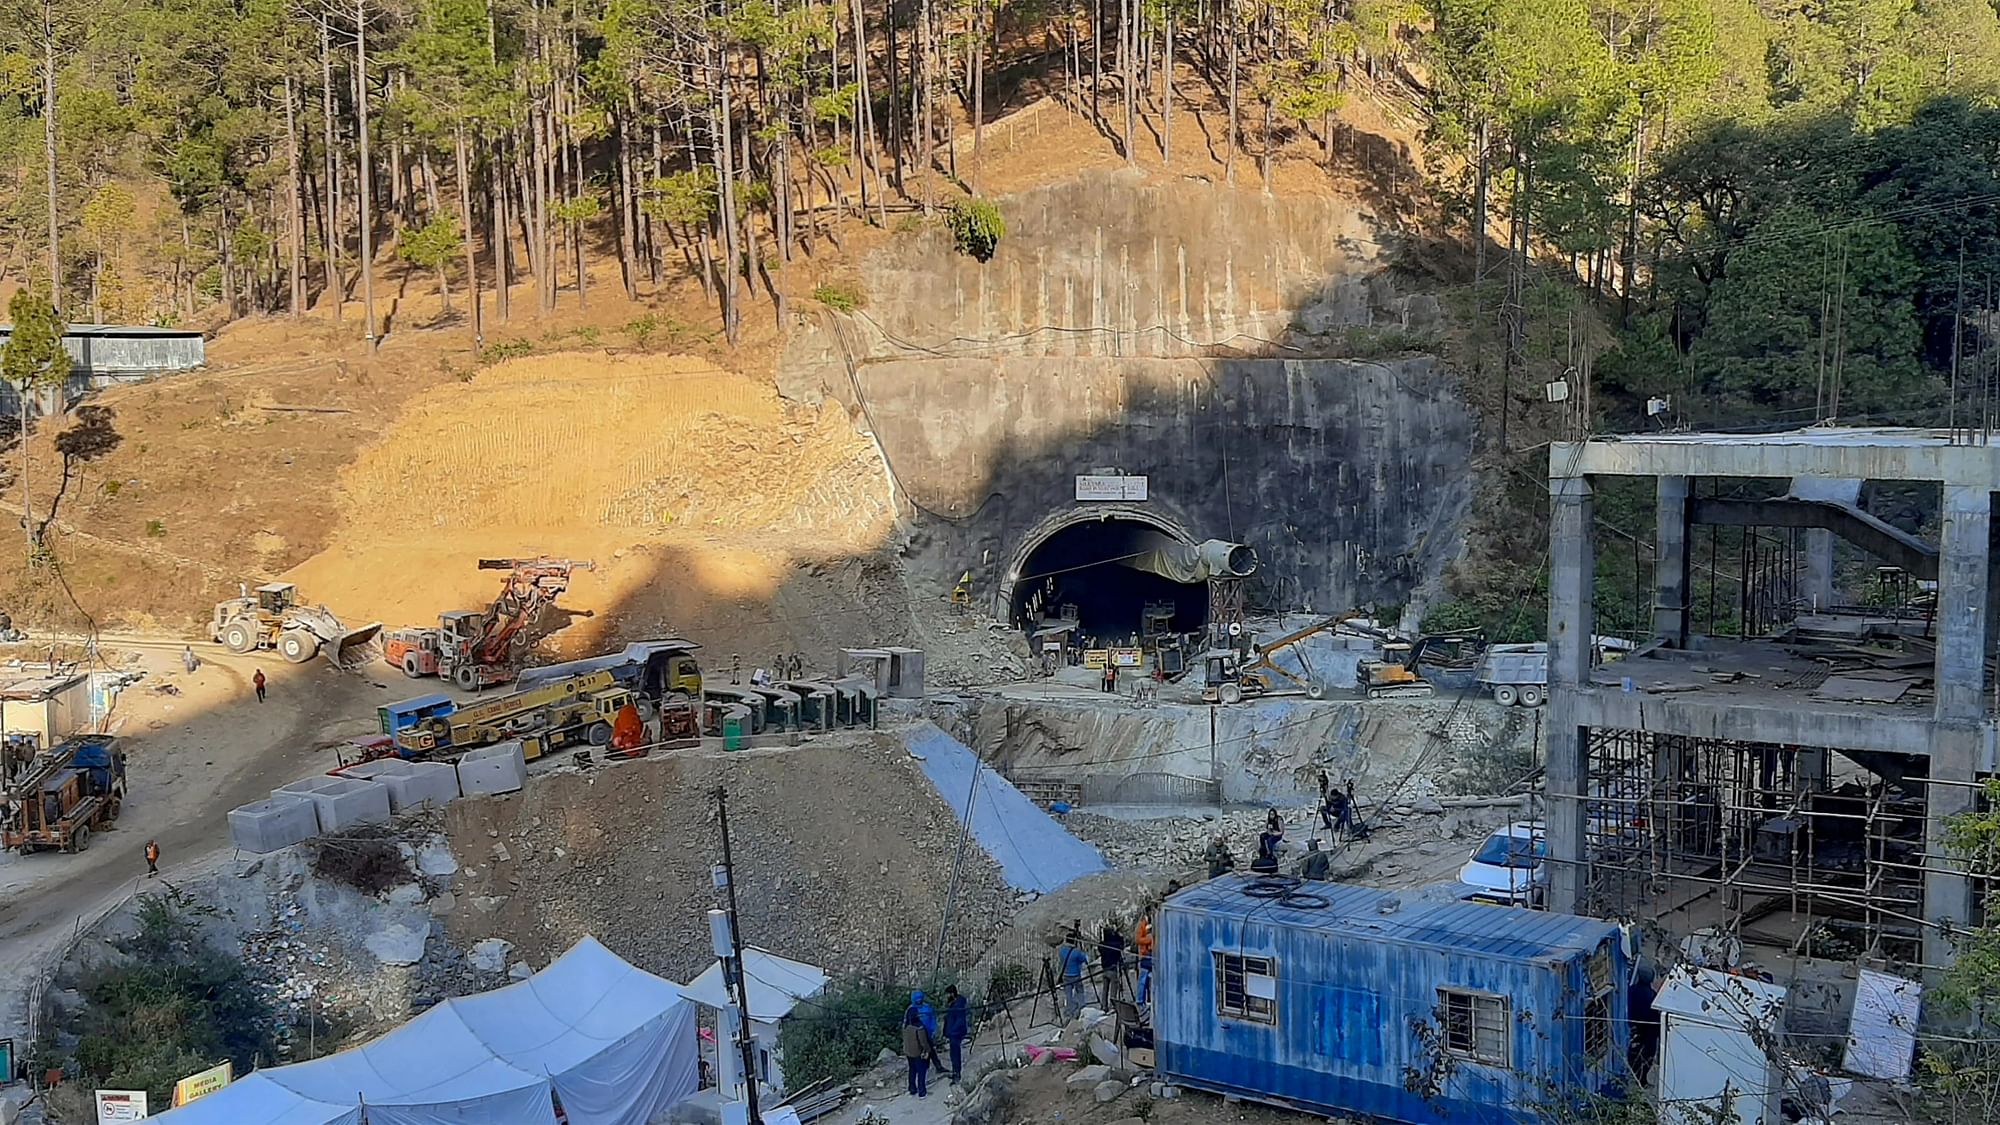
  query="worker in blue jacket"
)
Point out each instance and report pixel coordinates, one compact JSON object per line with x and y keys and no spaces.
{"x":957,"y":1027}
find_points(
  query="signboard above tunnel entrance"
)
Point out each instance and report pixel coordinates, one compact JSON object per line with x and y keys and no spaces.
{"x":1110,"y":488}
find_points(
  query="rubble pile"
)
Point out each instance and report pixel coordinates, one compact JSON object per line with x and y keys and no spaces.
{"x":843,"y":853}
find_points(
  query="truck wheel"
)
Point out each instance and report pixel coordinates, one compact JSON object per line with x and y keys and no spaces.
{"x":79,"y":840}
{"x":467,"y":677}
{"x":599,"y":734}
{"x":237,"y":637}
{"x":1531,"y":695}
{"x":1230,"y":693}
{"x":297,"y":646}
{"x":412,"y":667}
{"x":1504,"y":695}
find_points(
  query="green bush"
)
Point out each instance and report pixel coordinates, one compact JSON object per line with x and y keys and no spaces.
{"x":641,"y":330}
{"x":506,"y":349}
{"x":156,"y":529}
{"x":839,"y":1033}
{"x":976,"y":227}
{"x":841,"y":298}
{"x":178,"y":1007}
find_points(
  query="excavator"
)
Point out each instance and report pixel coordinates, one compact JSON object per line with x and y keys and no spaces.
{"x":1398,"y":673}
{"x":477,"y":648}
{"x":1229,"y":677}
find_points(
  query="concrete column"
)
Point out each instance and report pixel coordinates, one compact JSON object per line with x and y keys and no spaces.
{"x":1947,"y":892}
{"x":1671,"y":588}
{"x":1961,"y":613}
{"x":1819,"y":590}
{"x":1571,"y":618}
{"x":1964,"y":576}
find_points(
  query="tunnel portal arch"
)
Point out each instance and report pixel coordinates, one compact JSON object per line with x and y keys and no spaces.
{"x":1079,"y":557}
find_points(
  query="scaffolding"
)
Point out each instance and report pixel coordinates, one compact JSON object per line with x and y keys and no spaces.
{"x":1715,"y":833}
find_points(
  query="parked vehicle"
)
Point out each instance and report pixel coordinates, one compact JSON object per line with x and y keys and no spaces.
{"x":1510,"y":867}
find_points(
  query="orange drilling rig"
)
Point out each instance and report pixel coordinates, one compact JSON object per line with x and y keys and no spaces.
{"x":479,"y":648}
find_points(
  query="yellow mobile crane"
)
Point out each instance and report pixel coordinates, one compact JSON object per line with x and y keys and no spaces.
{"x":545,"y":718}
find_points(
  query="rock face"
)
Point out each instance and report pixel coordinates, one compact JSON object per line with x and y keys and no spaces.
{"x":1122,"y":326}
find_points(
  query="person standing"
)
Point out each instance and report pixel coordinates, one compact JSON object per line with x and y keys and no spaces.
{"x":957,"y":1028}
{"x":917,"y":1051}
{"x":1111,"y":958}
{"x":257,"y":681}
{"x":1142,"y":942}
{"x":189,"y":660}
{"x":1073,"y":961}
{"x":152,"y":858}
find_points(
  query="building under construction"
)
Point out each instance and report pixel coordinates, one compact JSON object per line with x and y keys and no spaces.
{"x":1772,"y":763}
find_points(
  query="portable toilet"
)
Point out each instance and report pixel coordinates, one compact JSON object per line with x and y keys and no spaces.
{"x":1719,"y":1058}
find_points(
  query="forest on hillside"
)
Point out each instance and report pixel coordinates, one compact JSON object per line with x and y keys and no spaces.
{"x":1790,"y":203}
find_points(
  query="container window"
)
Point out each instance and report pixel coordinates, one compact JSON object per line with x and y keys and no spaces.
{"x":1475,"y":1025}
{"x":1246,"y":988}
{"x":1597,"y":1028}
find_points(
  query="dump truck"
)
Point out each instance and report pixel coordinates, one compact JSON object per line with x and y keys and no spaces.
{"x":480,"y":648}
{"x":546,"y":717}
{"x":1516,"y":674}
{"x":64,"y":796}
{"x":271,"y":617}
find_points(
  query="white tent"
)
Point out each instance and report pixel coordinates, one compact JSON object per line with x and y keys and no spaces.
{"x":616,"y":1044}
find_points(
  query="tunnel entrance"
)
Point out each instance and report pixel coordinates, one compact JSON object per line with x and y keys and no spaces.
{"x":1105,"y":574}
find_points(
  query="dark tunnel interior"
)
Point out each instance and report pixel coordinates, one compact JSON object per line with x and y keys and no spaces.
{"x":1089,"y":566}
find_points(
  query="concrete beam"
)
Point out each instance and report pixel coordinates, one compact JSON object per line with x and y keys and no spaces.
{"x":1885,"y":541}
{"x":1964,"y":547}
{"x":1671,"y":589}
{"x":1796,"y":722}
{"x":1885,"y":454}
{"x":1572,"y":571}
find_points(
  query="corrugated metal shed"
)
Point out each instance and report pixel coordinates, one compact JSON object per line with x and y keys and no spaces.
{"x":1343,"y":999}
{"x":103,"y":354}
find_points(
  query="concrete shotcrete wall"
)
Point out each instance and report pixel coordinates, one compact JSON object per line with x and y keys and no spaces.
{"x":1200,"y":336}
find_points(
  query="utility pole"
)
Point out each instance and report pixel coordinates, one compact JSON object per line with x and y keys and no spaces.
{"x":733,"y":968}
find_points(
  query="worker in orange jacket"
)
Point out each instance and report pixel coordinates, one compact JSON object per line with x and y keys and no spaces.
{"x":152,"y":858}
{"x":628,"y":730}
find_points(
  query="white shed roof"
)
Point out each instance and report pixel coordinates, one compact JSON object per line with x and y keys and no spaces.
{"x":775,"y":985}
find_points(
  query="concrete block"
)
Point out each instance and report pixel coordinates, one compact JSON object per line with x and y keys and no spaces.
{"x":411,"y":785}
{"x":342,"y":801}
{"x":500,"y":768}
{"x":279,"y":821}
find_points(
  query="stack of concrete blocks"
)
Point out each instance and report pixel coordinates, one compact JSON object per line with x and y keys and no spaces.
{"x":342,"y":801}
{"x":277,"y":822}
{"x":411,"y":785}
{"x":499,"y":768}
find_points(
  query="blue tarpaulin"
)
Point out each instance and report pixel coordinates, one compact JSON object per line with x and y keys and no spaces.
{"x":1034,"y":851}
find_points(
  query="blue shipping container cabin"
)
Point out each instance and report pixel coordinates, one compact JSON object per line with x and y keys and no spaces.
{"x":1339,"y":999}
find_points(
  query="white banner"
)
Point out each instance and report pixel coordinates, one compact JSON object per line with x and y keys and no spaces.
{"x":120,"y":1105}
{"x":1110,"y":488}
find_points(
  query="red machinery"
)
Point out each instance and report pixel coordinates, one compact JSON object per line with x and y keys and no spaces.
{"x":477,"y":648}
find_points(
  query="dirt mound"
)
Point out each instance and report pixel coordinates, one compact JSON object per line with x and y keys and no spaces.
{"x":698,"y":492}
{"x":843,"y":855}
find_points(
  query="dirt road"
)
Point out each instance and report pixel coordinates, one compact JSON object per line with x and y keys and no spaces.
{"x":192,"y":756}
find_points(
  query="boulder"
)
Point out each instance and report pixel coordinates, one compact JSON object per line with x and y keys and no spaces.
{"x":1088,"y":1076}
{"x":397,"y":944}
{"x":1108,"y":1090}
{"x":490,"y":956}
